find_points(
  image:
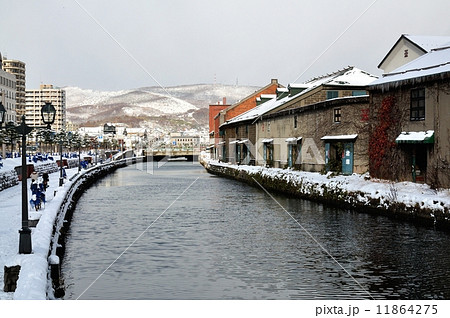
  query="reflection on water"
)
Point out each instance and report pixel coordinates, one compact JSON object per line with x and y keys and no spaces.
{"x":225,"y":240}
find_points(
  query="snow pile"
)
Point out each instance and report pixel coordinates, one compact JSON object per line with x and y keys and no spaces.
{"x":8,"y":179}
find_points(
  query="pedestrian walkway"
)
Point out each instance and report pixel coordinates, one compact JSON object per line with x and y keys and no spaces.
{"x":10,"y":224}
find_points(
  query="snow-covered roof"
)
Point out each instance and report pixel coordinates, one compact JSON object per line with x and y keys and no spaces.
{"x":298,"y":85}
{"x":416,"y":137}
{"x":427,"y":42}
{"x":340,"y":137}
{"x":293,"y":139}
{"x":268,"y":96}
{"x":424,"y":43}
{"x":350,"y":76}
{"x":435,"y":62}
{"x":257,"y":111}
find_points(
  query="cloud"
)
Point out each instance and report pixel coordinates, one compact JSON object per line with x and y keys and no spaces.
{"x":184,"y":42}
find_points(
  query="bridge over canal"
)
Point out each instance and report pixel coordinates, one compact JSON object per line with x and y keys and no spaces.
{"x":190,"y":154}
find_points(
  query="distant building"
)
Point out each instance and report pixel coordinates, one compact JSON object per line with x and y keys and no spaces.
{"x":183,"y":140}
{"x":408,"y":48}
{"x":218,"y":148}
{"x":214,"y":110}
{"x":35,"y":99}
{"x":17,"y":68}
{"x":70,"y":126}
{"x":8,"y":94}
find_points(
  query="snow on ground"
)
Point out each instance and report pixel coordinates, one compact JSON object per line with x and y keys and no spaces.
{"x":33,"y":273}
{"x":408,"y":193}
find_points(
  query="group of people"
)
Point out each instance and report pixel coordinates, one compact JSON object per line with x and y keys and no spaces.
{"x":38,"y":187}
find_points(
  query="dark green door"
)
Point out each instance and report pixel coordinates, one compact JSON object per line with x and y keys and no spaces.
{"x":290,"y":156}
{"x":347,"y":158}
{"x":327,"y":156}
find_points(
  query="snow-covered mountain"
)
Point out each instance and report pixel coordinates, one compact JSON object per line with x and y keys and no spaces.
{"x":150,"y":106}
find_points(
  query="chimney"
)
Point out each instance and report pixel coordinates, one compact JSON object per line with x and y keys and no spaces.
{"x":224,"y":101}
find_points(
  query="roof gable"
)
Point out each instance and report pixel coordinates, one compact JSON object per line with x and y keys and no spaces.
{"x":421,"y":44}
{"x":435,"y":62}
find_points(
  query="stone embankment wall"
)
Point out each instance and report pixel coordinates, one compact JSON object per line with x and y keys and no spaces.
{"x":331,"y":193}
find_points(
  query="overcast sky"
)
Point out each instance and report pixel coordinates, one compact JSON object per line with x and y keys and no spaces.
{"x":112,"y":45}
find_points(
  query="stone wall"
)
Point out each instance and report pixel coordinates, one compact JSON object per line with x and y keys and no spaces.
{"x":331,"y":193}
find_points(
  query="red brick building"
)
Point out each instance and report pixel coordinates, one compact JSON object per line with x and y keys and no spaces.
{"x":214,"y":109}
{"x":250,"y":101}
{"x":235,"y":110}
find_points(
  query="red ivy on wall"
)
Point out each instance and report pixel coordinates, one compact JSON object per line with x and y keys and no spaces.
{"x":379,"y":142}
{"x":365,"y":114}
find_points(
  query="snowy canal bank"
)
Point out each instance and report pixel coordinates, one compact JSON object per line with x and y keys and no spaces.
{"x":39,"y":271}
{"x":406,"y":200}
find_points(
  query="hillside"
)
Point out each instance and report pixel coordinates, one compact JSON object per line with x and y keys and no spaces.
{"x":171,"y":108}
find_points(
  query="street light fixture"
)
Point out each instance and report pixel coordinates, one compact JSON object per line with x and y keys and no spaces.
{"x":61,"y":138}
{"x":48,"y":113}
{"x":2,"y":120}
{"x":2,"y":114}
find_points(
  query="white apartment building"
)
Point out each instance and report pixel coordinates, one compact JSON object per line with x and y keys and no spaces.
{"x":8,"y":95}
{"x":35,"y":99}
{"x":17,"y":68}
{"x":184,"y":140}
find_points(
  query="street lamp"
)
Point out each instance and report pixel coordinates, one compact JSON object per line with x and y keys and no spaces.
{"x":25,"y":232}
{"x":48,"y":113}
{"x":75,"y":139}
{"x":2,"y":114}
{"x":61,"y":136}
{"x":2,"y":120}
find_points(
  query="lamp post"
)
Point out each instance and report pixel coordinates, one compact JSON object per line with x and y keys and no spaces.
{"x":2,"y":114}
{"x":75,"y":139}
{"x":48,"y":113}
{"x":25,"y":232}
{"x":60,"y":137}
{"x":2,"y":120}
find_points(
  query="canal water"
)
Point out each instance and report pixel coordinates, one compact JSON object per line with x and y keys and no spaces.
{"x":181,"y":233}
